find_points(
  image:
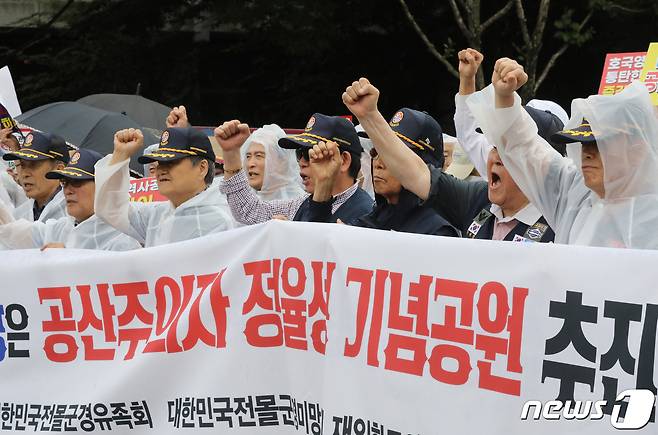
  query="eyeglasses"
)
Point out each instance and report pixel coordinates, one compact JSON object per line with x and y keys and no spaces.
{"x":302,"y":152}
{"x":65,"y":182}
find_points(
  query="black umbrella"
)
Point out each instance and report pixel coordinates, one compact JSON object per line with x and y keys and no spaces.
{"x":84,"y":126}
{"x":145,"y":112}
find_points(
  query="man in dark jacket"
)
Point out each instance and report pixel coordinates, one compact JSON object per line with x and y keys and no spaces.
{"x":397,"y":209}
{"x":496,"y":209}
{"x":349,"y":200}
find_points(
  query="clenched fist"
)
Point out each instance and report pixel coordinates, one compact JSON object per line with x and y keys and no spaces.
{"x":178,"y":117}
{"x":126,"y":143}
{"x":325,"y":161}
{"x":508,"y":76}
{"x":469,"y":63}
{"x":231,"y":135}
{"x":361,"y":98}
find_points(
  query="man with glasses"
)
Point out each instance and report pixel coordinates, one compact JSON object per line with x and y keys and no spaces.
{"x":81,"y":229}
{"x":40,"y":154}
{"x":348,"y":201}
{"x":397,"y":209}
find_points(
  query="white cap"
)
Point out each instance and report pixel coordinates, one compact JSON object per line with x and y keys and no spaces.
{"x":550,"y":106}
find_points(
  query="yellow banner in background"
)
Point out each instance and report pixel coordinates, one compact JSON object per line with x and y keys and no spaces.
{"x":649,"y":74}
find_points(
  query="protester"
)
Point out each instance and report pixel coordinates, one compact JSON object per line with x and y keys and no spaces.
{"x":607,"y":193}
{"x":185,"y":171}
{"x":397,"y":209}
{"x":365,"y":175}
{"x":449,"y":145}
{"x":149,"y":168}
{"x":461,"y":166}
{"x":40,"y":154}
{"x":494,"y":210}
{"x":350,"y":201}
{"x":81,"y":229}
{"x":549,"y":116}
{"x":272,"y":171}
{"x":11,"y":138}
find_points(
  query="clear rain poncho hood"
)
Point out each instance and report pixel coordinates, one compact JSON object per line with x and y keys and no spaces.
{"x":281,"y":179}
{"x":626,"y":129}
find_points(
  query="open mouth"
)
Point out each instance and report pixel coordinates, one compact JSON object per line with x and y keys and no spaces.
{"x":252,"y":174}
{"x":494,"y":180}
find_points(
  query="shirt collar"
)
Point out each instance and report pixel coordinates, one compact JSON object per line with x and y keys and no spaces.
{"x":344,"y":195}
{"x":38,"y":210}
{"x":528,"y":214}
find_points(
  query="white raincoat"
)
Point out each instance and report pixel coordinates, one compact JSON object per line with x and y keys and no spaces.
{"x":55,"y":209}
{"x":157,"y":223}
{"x":366,"y":163}
{"x":626,"y":130}
{"x":92,"y":233}
{"x":281,"y":179}
{"x":15,"y":193}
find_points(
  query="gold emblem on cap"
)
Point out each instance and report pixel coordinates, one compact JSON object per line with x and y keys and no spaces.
{"x":164,"y":140}
{"x":310,"y":123}
{"x":75,"y":157}
{"x":28,"y":140}
{"x":395,"y":121}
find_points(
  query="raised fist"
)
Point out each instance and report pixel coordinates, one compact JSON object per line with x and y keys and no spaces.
{"x":7,"y":140}
{"x":508,"y":76}
{"x":178,"y":117}
{"x":361,"y":98}
{"x":469,"y":63}
{"x":325,"y":161}
{"x":231,"y":135}
{"x":127,"y":142}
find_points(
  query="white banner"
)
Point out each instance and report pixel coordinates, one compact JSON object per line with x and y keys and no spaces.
{"x":299,"y":328}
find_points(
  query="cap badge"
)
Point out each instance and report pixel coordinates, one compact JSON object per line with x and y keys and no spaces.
{"x":75,"y":157}
{"x":164,"y":140}
{"x":310,"y":124}
{"x":28,"y":140}
{"x":395,"y":121}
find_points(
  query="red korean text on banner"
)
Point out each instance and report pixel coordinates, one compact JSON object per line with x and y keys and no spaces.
{"x":145,"y":190}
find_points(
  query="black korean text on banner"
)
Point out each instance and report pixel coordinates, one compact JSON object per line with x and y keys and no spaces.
{"x":617,"y":316}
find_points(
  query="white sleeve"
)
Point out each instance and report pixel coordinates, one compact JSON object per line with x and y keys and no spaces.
{"x":475,"y":144}
{"x":23,"y":234}
{"x":112,"y":201}
{"x":543,"y":175}
{"x":15,"y":192}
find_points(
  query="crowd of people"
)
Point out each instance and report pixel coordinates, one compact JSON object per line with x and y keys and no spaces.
{"x":514,"y":172}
